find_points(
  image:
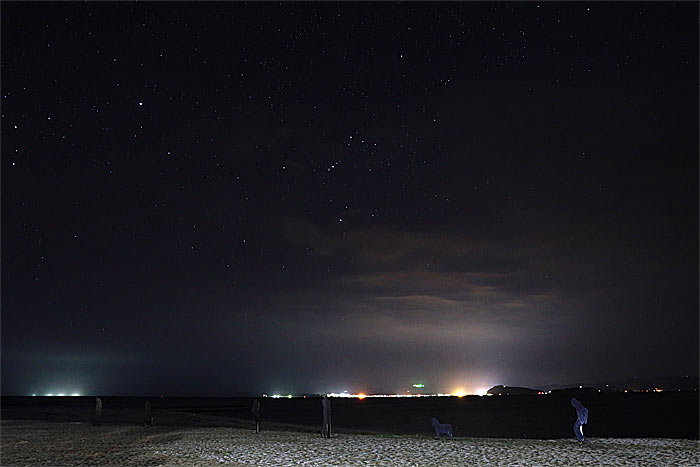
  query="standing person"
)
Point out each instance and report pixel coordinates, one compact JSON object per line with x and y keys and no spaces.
{"x":582,"y":418}
{"x":256,"y":415}
{"x":326,"y":428}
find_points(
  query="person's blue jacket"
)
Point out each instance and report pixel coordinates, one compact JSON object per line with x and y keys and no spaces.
{"x":581,"y":411}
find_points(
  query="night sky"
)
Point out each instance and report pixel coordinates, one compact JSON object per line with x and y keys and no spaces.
{"x":230,"y":198}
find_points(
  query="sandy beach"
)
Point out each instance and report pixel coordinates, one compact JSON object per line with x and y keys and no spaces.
{"x":43,"y":443}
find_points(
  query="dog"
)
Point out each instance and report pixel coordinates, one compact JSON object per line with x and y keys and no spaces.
{"x":441,"y":428}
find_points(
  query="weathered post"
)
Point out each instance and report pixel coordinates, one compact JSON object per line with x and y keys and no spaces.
{"x":326,"y":428}
{"x":256,"y":415}
{"x":148,"y":417}
{"x":98,"y":411}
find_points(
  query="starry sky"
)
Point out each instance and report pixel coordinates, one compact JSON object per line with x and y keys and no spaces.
{"x":237,"y":198}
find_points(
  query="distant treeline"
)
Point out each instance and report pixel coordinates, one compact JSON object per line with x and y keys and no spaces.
{"x":679,"y":383}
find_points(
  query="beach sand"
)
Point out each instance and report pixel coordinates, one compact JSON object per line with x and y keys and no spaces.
{"x":44,"y":443}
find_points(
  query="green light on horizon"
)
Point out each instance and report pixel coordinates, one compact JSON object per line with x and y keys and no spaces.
{"x":419,"y":385}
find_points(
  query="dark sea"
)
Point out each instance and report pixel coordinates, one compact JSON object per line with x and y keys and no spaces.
{"x":549,"y":416}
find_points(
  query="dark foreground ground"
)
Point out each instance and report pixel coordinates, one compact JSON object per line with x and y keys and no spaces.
{"x":612,"y":415}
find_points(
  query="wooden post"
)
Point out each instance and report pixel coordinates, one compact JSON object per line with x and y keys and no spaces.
{"x":256,"y":415}
{"x":326,"y":428}
{"x":148,"y":417}
{"x":98,"y":411}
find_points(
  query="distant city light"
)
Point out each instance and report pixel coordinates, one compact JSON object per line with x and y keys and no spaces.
{"x":459,"y":393}
{"x":57,"y":394}
{"x":362,"y":396}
